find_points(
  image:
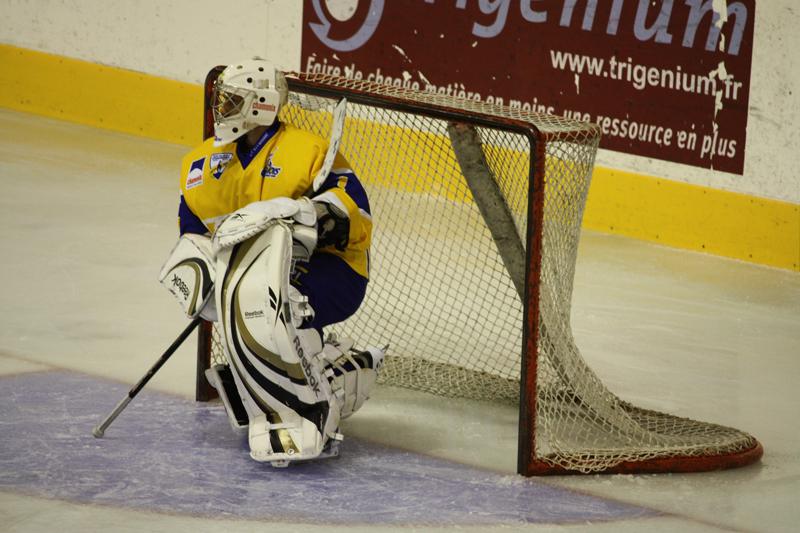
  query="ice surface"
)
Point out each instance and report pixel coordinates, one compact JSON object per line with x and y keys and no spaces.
{"x":88,"y":218}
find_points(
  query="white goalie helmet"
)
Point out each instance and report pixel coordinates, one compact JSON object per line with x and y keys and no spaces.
{"x":247,"y":94}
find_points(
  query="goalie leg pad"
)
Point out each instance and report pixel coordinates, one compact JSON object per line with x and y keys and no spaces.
{"x":221,"y":378}
{"x":352,"y":373}
{"x":291,"y":410}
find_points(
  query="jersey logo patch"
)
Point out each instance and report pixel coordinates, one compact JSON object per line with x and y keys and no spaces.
{"x":195,"y":176}
{"x":270,"y":170}
{"x":219,"y":163}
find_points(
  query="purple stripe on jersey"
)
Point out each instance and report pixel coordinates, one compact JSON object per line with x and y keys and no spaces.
{"x":353,"y":188}
{"x":188,"y":221}
{"x":172,"y":455}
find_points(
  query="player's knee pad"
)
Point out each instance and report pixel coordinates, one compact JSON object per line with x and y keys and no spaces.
{"x":276,"y":366}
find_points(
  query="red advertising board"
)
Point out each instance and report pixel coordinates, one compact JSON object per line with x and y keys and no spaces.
{"x":665,"y":79}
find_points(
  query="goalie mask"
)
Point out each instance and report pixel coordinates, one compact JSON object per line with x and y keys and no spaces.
{"x":246,"y":95}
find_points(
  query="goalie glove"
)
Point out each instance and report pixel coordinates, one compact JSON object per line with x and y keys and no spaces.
{"x":333,"y":226}
{"x":189,"y":275}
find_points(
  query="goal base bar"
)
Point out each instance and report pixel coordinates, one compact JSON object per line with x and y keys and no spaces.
{"x":662,"y":465}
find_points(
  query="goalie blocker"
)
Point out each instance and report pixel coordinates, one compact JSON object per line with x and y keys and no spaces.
{"x":288,"y":389}
{"x":189,"y":275}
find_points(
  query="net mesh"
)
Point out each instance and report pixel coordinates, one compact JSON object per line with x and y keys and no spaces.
{"x":440,"y":294}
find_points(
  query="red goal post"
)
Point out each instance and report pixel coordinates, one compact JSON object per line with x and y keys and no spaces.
{"x":477,"y":219}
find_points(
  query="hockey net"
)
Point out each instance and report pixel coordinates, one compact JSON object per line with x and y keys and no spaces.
{"x":477,"y":211}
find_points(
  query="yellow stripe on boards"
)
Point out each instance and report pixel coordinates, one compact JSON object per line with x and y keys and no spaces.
{"x":687,"y":216}
{"x":668,"y":212}
{"x":100,"y":96}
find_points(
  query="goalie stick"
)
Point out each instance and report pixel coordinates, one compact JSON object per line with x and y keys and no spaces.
{"x":100,"y":430}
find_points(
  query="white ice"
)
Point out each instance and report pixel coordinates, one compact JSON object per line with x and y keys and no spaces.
{"x":89,"y":215}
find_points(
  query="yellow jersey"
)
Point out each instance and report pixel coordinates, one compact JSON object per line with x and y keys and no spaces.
{"x":216,"y":181}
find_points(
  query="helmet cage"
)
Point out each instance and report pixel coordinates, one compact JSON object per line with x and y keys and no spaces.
{"x":228,"y":102}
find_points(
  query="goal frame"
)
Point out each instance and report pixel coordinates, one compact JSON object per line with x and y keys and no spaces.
{"x":528,"y":464}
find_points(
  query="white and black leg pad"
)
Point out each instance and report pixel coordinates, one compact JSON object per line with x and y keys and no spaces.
{"x":352,"y":373}
{"x":189,"y":275}
{"x":221,"y":378}
{"x":276,"y":366}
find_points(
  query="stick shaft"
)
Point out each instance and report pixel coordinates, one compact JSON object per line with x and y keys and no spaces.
{"x":101,"y":428}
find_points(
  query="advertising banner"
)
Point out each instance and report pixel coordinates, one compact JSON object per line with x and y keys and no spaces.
{"x":665,"y":79}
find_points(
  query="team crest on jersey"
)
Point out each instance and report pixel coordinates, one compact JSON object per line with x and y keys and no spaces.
{"x":219,"y":163}
{"x":195,"y":176}
{"x":270,"y":170}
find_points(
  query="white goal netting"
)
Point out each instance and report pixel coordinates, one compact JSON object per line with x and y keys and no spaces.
{"x":440,"y":291}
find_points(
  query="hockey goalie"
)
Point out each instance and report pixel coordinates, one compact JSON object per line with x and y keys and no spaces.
{"x":275,"y":234}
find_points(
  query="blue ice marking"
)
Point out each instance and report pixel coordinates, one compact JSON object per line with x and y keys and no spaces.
{"x":173,"y":455}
